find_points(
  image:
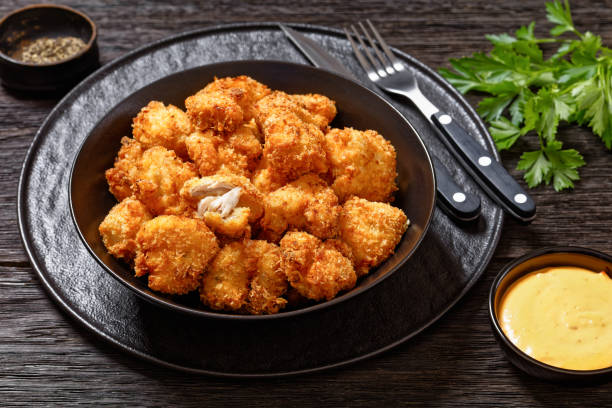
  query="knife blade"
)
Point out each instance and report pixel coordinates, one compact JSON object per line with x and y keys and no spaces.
{"x":454,"y":201}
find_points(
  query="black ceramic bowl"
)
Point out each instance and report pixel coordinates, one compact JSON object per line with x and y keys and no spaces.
{"x":357,"y":107}
{"x":552,"y":256}
{"x":46,"y":20}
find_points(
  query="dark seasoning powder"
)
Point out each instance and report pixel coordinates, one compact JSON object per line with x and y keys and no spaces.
{"x":48,"y":50}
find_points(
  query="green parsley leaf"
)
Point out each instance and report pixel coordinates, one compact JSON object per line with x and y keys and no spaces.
{"x":491,"y":108}
{"x":504,"y":133}
{"x":560,"y":14}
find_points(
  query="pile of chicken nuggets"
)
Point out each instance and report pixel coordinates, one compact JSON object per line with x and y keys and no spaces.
{"x":251,"y":198}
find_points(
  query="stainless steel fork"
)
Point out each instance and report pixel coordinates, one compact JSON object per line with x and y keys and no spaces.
{"x":391,"y":74}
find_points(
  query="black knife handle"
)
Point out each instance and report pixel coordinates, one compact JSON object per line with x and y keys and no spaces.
{"x":455,"y":202}
{"x":493,"y":176}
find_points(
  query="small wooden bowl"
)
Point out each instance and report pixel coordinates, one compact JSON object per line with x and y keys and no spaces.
{"x":46,"y":20}
{"x":542,"y":258}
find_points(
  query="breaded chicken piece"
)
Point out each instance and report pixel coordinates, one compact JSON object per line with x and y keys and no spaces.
{"x":196,"y":189}
{"x":225,"y":285}
{"x":174,"y":251}
{"x":362,"y":163}
{"x":120,"y":226}
{"x":317,"y":270}
{"x":214,"y":111}
{"x":246,"y":90}
{"x":225,"y":103}
{"x":236,"y":225}
{"x":293,"y":145}
{"x":309,"y":109}
{"x":269,"y":281}
{"x":266,"y":180}
{"x":244,"y":141}
{"x":122,"y":176}
{"x":236,"y":153}
{"x":202,"y":149}
{"x":372,"y":230}
{"x":246,"y":276}
{"x":322,"y":109}
{"x":161,"y":174}
{"x":306,"y":203}
{"x":160,"y":125}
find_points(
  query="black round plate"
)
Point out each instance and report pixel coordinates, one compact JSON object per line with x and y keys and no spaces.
{"x":90,"y":200}
{"x":447,"y":263}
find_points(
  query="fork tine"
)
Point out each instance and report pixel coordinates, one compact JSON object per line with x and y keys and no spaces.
{"x":381,"y":57}
{"x":364,"y":63}
{"x":394,"y":60}
{"x":378,"y":68}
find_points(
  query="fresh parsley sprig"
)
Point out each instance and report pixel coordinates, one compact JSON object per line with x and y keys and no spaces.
{"x":531,"y":94}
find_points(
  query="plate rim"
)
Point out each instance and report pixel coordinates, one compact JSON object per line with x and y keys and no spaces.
{"x":272,"y":26}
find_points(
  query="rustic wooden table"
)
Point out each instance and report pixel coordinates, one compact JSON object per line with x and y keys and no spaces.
{"x":46,"y":358}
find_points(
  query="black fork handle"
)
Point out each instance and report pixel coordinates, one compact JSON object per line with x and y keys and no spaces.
{"x":456,"y":203}
{"x":483,"y":167}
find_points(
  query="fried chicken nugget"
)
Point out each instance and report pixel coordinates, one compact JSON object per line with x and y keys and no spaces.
{"x":266,"y":180}
{"x":246,"y":90}
{"x":120,"y":226}
{"x":225,"y":103}
{"x":174,"y":251}
{"x":245,"y":276}
{"x":225,"y":284}
{"x":306,"y":203}
{"x":293,"y":146}
{"x":322,"y":109}
{"x":122,"y":176}
{"x":362,"y":163}
{"x":160,"y":125}
{"x":371,"y":230}
{"x":317,"y":270}
{"x":269,"y":282}
{"x":197,"y":188}
{"x":161,"y":174}
{"x":237,"y":153}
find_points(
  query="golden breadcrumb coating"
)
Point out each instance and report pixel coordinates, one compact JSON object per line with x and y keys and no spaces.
{"x":225,"y":285}
{"x":371,"y":230}
{"x":317,"y":270}
{"x":265,"y":179}
{"x":225,"y":103}
{"x":293,"y":146}
{"x":174,"y":251}
{"x":161,"y":174}
{"x":269,"y":282}
{"x":245,"y":276}
{"x":322,"y":109}
{"x":202,"y":149}
{"x":214,"y":110}
{"x":306,"y":203}
{"x":246,"y":90}
{"x":235,"y":225}
{"x":236,"y":153}
{"x":245,"y":141}
{"x":122,"y":176}
{"x":120,"y":226}
{"x":362,"y":163}
{"x":160,"y":125}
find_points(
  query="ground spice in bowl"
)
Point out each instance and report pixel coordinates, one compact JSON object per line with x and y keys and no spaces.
{"x":48,"y":50}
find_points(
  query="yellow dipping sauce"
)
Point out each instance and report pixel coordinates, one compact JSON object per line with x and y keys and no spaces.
{"x":561,"y":316}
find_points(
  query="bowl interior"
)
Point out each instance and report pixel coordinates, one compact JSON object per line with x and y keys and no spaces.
{"x":357,"y":107}
{"x":39,"y":21}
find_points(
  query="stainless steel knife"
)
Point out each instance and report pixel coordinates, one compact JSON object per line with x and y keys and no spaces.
{"x":458,"y":204}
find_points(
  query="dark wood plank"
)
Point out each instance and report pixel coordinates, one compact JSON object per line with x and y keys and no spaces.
{"x":47,"y":358}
